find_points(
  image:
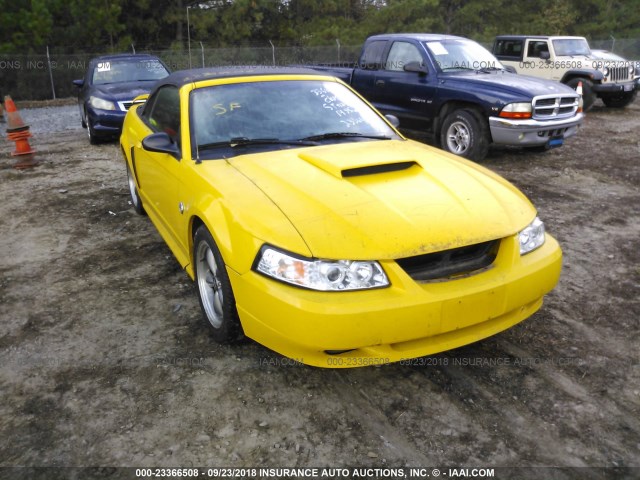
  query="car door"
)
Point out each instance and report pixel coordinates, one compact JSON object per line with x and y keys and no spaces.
{"x":532,"y":61}
{"x":364,"y":75}
{"x":510,"y":51}
{"x":159,"y":173}
{"x":408,"y":95}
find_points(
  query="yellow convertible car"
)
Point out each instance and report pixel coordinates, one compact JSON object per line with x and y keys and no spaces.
{"x":313,"y":227}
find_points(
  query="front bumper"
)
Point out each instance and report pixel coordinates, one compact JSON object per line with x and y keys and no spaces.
{"x":406,"y":320}
{"x":106,"y":123}
{"x":532,"y":132}
{"x":615,"y":87}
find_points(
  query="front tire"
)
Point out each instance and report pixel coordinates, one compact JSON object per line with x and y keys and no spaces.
{"x":465,"y":133}
{"x":93,"y":139}
{"x":214,"y":289}
{"x":588,"y":95}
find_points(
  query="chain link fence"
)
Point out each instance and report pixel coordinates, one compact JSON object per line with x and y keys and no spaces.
{"x":44,"y":77}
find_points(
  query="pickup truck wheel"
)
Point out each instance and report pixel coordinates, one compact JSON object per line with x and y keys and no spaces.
{"x":465,"y":133}
{"x":588,"y":96}
{"x":214,"y":289}
{"x":619,"y":100}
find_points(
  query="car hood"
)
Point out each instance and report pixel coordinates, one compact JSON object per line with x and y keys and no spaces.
{"x":385,"y":199}
{"x":524,"y":85}
{"x":123,"y":90}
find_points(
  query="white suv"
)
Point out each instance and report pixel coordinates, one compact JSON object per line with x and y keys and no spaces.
{"x":569,"y":60}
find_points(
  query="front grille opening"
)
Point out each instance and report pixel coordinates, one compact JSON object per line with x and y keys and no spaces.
{"x":549,"y":107}
{"x":553,"y":133}
{"x":617,"y":74}
{"x":450,"y":263}
{"x":546,"y":102}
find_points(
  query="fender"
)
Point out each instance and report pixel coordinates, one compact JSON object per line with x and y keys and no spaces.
{"x":229,"y":215}
{"x":593,"y":75}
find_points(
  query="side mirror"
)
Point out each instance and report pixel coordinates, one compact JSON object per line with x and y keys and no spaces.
{"x":78,"y":83}
{"x":545,"y":55}
{"x":393,"y":120}
{"x":161,"y":142}
{"x":510,"y":69}
{"x":416,"y":67}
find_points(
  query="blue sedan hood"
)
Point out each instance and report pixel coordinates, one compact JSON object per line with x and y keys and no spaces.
{"x":124,"y":90}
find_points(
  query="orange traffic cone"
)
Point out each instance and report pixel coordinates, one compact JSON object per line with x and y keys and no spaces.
{"x":18,"y":132}
{"x":14,"y":120}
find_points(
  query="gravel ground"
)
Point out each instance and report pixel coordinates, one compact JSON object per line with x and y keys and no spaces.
{"x":105,"y":359}
{"x":47,"y":120}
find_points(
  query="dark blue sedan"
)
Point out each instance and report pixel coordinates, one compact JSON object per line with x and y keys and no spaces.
{"x":109,"y":87}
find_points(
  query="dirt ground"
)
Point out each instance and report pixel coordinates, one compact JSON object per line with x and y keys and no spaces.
{"x":105,"y":359}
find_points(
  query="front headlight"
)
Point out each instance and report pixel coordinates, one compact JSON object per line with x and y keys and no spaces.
{"x":531,"y":237}
{"x":324,"y":275}
{"x":516,"y":110}
{"x":605,"y":72}
{"x":101,"y":103}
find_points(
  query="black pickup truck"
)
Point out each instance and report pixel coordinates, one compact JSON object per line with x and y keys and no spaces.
{"x":458,"y":91}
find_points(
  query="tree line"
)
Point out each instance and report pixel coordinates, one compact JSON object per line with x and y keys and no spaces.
{"x":115,"y":25}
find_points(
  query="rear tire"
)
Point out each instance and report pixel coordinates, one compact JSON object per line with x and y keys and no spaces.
{"x":136,"y":201}
{"x":214,"y":289}
{"x":465,"y":133}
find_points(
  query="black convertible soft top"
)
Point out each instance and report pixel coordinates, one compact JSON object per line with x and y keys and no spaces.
{"x":183,"y":77}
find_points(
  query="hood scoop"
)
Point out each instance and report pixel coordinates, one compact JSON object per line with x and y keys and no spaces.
{"x":358,"y":159}
{"x":373,"y":169}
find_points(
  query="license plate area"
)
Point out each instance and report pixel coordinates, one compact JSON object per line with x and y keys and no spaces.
{"x":555,"y":142}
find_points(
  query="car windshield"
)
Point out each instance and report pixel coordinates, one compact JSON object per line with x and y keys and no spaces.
{"x":117,"y":71}
{"x":567,"y":47}
{"x":279,"y":114}
{"x":462,"y":55}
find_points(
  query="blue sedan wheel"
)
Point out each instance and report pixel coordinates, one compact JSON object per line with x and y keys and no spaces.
{"x":93,"y":139}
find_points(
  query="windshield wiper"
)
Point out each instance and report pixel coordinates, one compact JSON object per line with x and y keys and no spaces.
{"x":326,"y":136}
{"x":455,"y":68}
{"x":244,"y":141}
{"x":490,"y":69}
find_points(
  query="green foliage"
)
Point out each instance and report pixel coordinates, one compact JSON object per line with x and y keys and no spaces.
{"x":112,"y":25}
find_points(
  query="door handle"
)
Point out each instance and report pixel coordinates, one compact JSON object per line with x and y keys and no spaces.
{"x":379,"y":83}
